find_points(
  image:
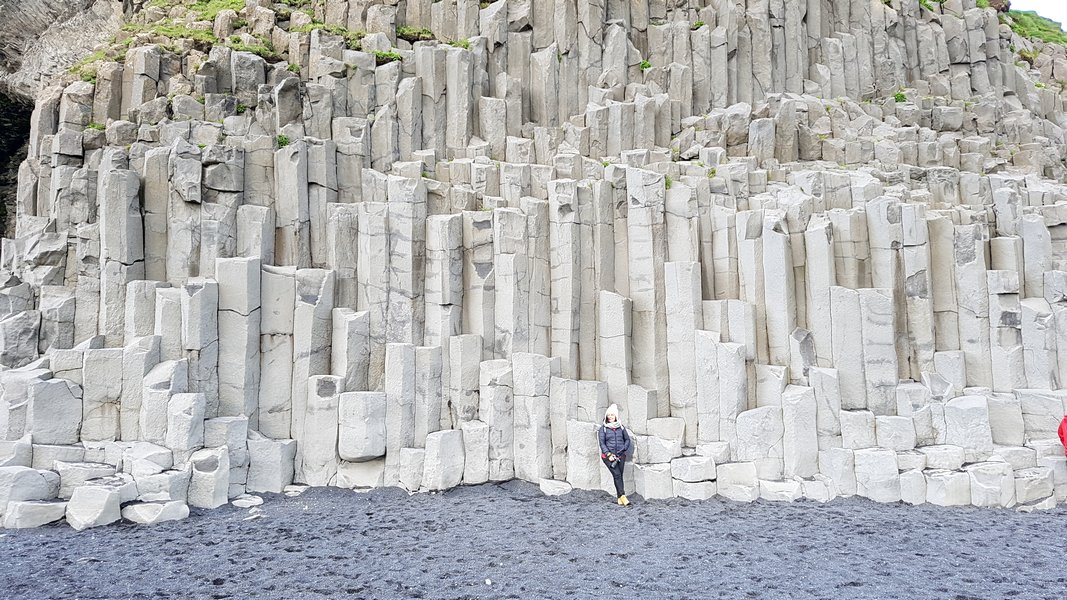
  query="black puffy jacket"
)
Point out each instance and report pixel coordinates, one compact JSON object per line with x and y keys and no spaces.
{"x":614,"y":441}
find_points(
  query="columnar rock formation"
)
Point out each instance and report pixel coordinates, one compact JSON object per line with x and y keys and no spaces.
{"x":811,"y":249}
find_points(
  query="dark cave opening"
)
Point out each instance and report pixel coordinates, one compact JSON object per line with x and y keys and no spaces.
{"x":14,"y":134}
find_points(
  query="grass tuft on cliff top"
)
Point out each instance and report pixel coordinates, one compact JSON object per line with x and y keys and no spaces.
{"x":209,"y":9}
{"x":414,"y":34}
{"x":383,"y":58}
{"x":85,"y":69}
{"x":353,"y":39}
{"x":1029,"y":24}
{"x":264,"y":49}
{"x":174,"y":31}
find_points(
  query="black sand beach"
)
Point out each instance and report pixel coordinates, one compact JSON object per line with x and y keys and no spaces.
{"x":330,"y":543}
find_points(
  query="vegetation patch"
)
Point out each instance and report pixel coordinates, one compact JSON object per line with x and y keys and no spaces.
{"x":353,"y":39}
{"x":414,"y":34}
{"x":85,"y":69}
{"x":1029,"y":24}
{"x":263,"y":48}
{"x":383,"y":58}
{"x":929,"y":4}
{"x":207,"y":10}
{"x":202,"y":39}
{"x":1030,"y":56}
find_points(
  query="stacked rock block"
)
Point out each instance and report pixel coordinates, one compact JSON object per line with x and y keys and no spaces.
{"x":810,"y":250}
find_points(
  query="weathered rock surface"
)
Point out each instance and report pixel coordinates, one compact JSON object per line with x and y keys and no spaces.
{"x":808,"y":249}
{"x":39,"y":40}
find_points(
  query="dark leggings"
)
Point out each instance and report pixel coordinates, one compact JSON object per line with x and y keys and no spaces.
{"x":616,"y":474}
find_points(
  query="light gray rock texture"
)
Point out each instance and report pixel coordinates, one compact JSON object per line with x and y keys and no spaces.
{"x":808,"y":249}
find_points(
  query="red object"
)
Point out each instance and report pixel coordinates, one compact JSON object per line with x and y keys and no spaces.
{"x":1063,"y":434}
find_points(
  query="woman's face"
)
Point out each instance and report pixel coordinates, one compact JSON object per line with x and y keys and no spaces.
{"x":611,"y":418}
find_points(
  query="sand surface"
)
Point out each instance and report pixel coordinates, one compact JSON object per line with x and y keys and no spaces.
{"x":330,"y":543}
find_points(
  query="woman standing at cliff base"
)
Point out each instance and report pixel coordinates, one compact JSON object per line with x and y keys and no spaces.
{"x":614,"y":446}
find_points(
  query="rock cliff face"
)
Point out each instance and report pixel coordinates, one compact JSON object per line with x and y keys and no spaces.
{"x":809,"y":248}
{"x":40,"y":39}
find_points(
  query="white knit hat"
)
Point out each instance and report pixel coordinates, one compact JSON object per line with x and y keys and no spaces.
{"x":612,"y":410}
